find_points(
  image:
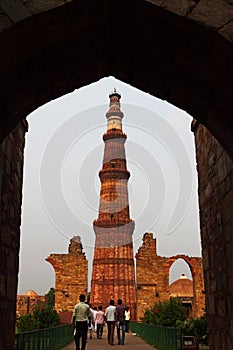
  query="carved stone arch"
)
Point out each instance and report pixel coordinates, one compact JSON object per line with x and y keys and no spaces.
{"x":173,"y":259}
{"x":196,"y":268}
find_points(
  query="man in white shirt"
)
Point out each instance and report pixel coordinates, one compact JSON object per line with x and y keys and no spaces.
{"x":110,"y":318}
{"x":81,"y":318}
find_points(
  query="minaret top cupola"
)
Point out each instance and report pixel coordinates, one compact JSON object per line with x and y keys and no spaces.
{"x":114,"y":114}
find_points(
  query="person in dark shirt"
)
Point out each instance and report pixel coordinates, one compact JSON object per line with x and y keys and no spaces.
{"x":120,"y":321}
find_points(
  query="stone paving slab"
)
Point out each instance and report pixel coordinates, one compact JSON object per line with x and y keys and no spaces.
{"x":132,"y":342}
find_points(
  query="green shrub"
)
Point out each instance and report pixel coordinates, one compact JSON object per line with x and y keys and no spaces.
{"x":44,"y":316}
{"x":197,"y":327}
{"x":26,"y":323}
{"x":165,"y":313}
{"x":50,"y":297}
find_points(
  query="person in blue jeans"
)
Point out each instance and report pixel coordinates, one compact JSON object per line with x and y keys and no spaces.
{"x":99,"y":320}
{"x":120,"y":321}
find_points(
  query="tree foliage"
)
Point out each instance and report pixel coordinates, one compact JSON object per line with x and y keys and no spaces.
{"x":165,"y":313}
{"x":172,"y":313}
{"x":44,"y":316}
{"x":26,"y":323}
{"x":50,"y":297}
{"x":197,"y":327}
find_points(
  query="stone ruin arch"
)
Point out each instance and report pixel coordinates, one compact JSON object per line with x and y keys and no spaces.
{"x":174,"y":264}
{"x":153,"y":285}
{"x":178,"y":51}
{"x":196,"y":267}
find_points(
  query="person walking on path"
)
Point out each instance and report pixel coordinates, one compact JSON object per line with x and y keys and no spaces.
{"x":99,"y":319}
{"x":81,"y":319}
{"x":110,"y":316}
{"x":94,"y":323}
{"x":91,"y":324}
{"x":134,"y":342}
{"x":120,"y":321}
{"x":127,"y":318}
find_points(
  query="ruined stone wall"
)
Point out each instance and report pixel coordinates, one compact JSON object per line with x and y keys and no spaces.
{"x":152,"y":282}
{"x":26,"y":304}
{"x":152,"y":275}
{"x":11,"y":170}
{"x":215,"y":176}
{"x":71,"y":275}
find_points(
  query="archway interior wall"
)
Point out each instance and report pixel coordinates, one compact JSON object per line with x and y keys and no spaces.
{"x":153,"y":282}
{"x":11,"y":177}
{"x":215,"y":176}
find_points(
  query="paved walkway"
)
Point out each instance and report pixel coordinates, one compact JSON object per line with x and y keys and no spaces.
{"x":132,"y":342}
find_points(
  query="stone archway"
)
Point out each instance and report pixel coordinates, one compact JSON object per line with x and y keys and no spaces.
{"x":178,"y":52}
{"x":153,"y":285}
{"x":196,"y":268}
{"x":179,"y":268}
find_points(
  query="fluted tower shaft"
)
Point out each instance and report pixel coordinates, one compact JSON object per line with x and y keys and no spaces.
{"x":113,"y":273}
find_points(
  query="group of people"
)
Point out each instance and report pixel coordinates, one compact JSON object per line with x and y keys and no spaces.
{"x":84,"y":318}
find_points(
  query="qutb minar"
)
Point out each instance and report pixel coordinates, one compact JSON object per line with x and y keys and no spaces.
{"x":113,"y":274}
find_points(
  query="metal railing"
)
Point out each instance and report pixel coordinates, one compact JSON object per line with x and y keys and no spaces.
{"x":44,"y":339}
{"x":162,"y":338}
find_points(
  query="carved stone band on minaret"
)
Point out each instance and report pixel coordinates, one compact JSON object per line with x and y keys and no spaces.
{"x":113,"y":174}
{"x":115,"y":224}
{"x":113,"y":134}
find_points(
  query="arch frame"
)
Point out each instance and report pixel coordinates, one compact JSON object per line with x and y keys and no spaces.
{"x":167,"y":55}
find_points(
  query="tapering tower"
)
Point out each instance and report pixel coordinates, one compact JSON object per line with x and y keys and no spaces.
{"x":113,"y":274}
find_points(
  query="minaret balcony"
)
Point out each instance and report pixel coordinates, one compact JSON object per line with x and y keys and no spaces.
{"x":128,"y":224}
{"x":113,"y":173}
{"x":114,"y":134}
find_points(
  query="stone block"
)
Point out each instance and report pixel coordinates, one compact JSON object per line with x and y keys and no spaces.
{"x":228,"y":231}
{"x":210,"y":304}
{"x":5,"y":22}
{"x":213,"y":13}
{"x":222,"y":168}
{"x":36,"y":6}
{"x":15,"y":10}
{"x":227,"y":31}
{"x":227,"y":207}
{"x":181,"y":7}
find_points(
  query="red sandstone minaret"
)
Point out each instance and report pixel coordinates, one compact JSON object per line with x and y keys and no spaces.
{"x":113,"y":274}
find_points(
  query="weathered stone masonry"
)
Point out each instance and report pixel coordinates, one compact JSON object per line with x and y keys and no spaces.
{"x":152,"y":275}
{"x":71,"y":275}
{"x":11,"y":178}
{"x":215,"y":174}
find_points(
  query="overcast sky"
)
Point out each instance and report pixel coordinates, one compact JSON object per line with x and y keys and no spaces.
{"x":63,"y":155}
